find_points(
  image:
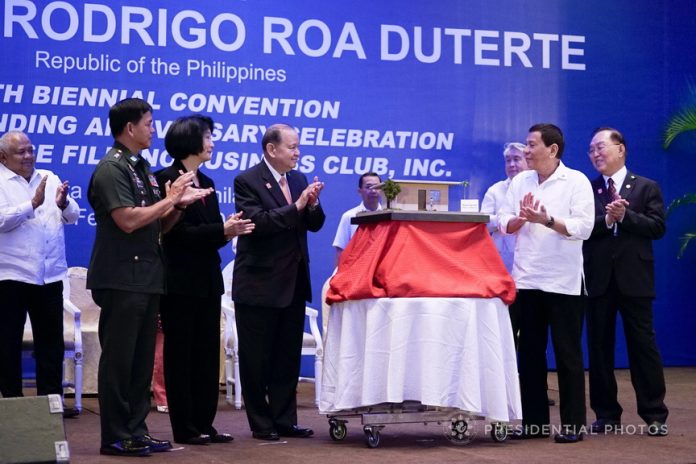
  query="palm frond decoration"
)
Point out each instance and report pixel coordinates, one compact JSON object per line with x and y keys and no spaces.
{"x":680,"y":123}
{"x":689,"y":198}
{"x":685,"y":241}
{"x":691,"y":87}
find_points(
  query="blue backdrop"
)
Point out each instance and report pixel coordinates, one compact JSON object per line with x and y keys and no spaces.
{"x":371,"y":85}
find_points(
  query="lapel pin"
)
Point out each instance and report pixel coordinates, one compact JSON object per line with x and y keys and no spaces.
{"x":599,"y":191}
{"x":268,"y":185}
{"x":628,"y":186}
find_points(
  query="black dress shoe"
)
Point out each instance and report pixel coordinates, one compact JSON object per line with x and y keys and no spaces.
{"x":568,"y":437}
{"x":221,"y":438}
{"x":69,"y":413}
{"x":296,"y":432}
{"x":201,"y":439}
{"x":270,"y":435}
{"x":128,"y":447}
{"x":605,"y":425}
{"x":657,"y":429}
{"x":155,"y":445}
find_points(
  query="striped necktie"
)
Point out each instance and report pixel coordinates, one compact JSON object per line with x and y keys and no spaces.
{"x":611,"y":190}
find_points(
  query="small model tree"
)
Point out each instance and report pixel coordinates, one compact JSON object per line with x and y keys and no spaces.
{"x":390,"y":189}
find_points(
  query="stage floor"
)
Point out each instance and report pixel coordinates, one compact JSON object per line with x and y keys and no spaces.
{"x":418,"y":443}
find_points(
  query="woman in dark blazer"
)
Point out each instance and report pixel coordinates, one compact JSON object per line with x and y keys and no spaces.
{"x":190,"y":310}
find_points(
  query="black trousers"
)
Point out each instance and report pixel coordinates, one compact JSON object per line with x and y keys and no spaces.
{"x":644,"y":359}
{"x":44,"y":304}
{"x":270,"y":346}
{"x":191,"y":327}
{"x":127,"y":327}
{"x":514,"y":311}
{"x":563,"y":314}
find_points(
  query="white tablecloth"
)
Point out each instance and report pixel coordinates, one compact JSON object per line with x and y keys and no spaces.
{"x":448,"y":352}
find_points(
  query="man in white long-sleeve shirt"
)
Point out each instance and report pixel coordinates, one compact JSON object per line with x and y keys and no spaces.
{"x":34,"y":206}
{"x":515,"y":162}
{"x":551,"y":209}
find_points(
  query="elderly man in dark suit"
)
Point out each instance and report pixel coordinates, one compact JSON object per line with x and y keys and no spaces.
{"x":619,"y":267}
{"x":271,"y":282}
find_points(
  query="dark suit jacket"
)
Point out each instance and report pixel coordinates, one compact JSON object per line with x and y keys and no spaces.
{"x":629,"y":254}
{"x":191,"y":247}
{"x":267,"y":261}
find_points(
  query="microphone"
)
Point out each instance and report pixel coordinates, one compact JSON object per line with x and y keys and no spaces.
{"x":377,"y":187}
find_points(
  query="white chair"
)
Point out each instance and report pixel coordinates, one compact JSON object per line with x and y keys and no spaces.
{"x":230,"y":341}
{"x":312,"y":344}
{"x":72,"y":332}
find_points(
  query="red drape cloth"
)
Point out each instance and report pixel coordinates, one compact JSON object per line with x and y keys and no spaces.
{"x":398,"y":259}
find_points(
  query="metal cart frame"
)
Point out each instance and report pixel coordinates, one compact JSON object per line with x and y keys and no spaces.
{"x":375,"y":418}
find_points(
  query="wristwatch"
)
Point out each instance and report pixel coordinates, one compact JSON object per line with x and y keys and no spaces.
{"x":550,"y":222}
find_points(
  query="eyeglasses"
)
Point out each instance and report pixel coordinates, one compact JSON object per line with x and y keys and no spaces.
{"x":600,"y":148}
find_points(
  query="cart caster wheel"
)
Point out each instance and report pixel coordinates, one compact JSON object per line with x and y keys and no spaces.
{"x":372,"y":436}
{"x":499,"y":432}
{"x":457,"y":430}
{"x":337,"y":430}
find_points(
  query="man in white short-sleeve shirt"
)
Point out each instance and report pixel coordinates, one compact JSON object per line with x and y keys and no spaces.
{"x":368,"y":188}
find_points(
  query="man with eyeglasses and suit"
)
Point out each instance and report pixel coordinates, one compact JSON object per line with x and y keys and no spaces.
{"x":619,"y":268}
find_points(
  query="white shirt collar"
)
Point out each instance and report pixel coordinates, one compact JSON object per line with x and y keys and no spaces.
{"x":561,"y":172}
{"x":9,"y":174}
{"x":364,"y":208}
{"x":6,"y":173}
{"x":618,"y":177}
{"x":276,"y":174}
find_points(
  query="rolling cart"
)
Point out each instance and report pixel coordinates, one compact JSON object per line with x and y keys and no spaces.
{"x":419,"y":330}
{"x":455,"y":422}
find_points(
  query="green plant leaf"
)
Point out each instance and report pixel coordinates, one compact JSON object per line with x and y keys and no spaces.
{"x":685,"y":241}
{"x":689,"y":198}
{"x":680,"y":123}
{"x":390,"y":189}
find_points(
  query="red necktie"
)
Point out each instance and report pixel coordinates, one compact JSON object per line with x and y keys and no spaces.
{"x":284,"y":187}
